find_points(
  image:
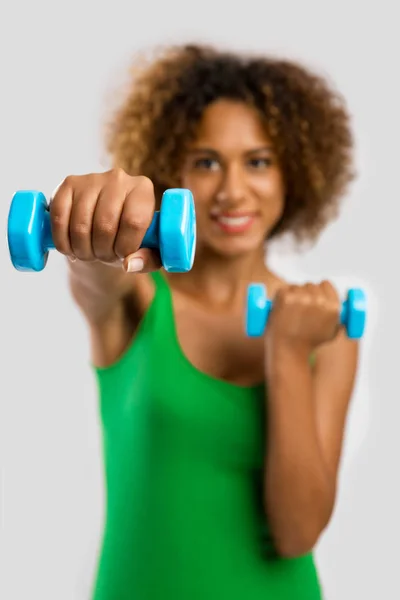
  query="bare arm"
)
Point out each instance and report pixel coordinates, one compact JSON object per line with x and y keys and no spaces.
{"x":98,"y":288}
{"x":306,"y":413}
{"x":113,"y":303}
{"x":306,"y":421}
{"x":99,"y":220}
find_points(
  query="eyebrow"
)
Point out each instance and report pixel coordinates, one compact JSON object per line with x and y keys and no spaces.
{"x":205,"y":150}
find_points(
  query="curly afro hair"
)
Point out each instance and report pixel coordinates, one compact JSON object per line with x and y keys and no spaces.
{"x":304,"y":117}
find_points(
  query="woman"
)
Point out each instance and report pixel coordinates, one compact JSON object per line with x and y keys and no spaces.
{"x":221,"y":451}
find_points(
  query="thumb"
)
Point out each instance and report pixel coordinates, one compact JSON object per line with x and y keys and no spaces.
{"x":142,"y":261}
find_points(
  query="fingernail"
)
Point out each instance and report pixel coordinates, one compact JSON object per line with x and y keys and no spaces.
{"x":135,"y":264}
{"x":72,"y":258}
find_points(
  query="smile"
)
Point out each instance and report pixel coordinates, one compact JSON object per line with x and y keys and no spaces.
{"x":235,"y":224}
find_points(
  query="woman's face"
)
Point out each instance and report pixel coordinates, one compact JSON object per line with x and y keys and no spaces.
{"x":235,"y":179}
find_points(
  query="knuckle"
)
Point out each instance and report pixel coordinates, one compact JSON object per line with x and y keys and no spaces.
{"x":328,"y":286}
{"x":105,"y":227}
{"x":80,"y":229}
{"x":145,"y":184}
{"x":76,"y":182}
{"x":286,"y":297}
{"x":58,"y":193}
{"x":55,"y":193}
{"x":118,"y":174}
{"x":68,"y":181}
{"x":91,"y":180}
{"x":135,"y":222}
{"x":58,"y":220}
{"x":309,"y":288}
{"x":326,"y":283}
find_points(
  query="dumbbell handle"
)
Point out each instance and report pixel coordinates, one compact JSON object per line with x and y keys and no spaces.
{"x":150,"y":240}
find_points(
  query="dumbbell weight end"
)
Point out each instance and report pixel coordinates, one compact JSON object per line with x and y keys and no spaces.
{"x":29,"y":231}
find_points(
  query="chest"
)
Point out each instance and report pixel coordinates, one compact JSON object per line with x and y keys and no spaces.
{"x":217,"y":345}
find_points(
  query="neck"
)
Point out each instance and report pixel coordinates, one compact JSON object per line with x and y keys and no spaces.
{"x":222,"y":281}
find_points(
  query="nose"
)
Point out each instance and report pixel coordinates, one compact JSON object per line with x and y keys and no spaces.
{"x":233,"y":186}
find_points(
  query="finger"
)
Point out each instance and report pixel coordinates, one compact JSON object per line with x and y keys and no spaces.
{"x":313,"y":294}
{"x":81,"y":223}
{"x":334,"y":303}
{"x":106,"y":221}
{"x":143,"y":261}
{"x":60,"y":206}
{"x":329,"y":290}
{"x":137,"y":214}
{"x":310,"y":287}
{"x":331,"y":294}
{"x":285,"y":295}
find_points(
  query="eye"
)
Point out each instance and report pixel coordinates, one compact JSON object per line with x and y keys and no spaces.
{"x":260,"y":163}
{"x":206,"y":164}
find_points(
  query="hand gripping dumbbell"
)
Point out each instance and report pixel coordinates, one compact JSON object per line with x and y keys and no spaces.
{"x":172,"y":231}
{"x":352,"y":315}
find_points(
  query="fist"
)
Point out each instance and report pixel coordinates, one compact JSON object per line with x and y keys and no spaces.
{"x":307,"y":315}
{"x":103,"y":217}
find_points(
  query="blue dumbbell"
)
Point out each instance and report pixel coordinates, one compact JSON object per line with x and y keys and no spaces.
{"x":172,"y":231}
{"x":352,"y":315}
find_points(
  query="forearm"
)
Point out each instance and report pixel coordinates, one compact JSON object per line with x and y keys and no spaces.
{"x":299,"y":491}
{"x":97,"y":287}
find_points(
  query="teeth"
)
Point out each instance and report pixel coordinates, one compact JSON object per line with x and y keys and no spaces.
{"x":234,"y":221}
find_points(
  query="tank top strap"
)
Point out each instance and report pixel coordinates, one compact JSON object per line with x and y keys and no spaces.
{"x":162,"y":309}
{"x":161,"y":284}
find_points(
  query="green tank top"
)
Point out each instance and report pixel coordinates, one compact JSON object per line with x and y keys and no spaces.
{"x":183,"y":455}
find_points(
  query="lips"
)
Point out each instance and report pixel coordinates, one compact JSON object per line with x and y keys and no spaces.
{"x":236,"y":223}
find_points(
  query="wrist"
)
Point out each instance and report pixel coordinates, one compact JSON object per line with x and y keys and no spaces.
{"x":287,"y":356}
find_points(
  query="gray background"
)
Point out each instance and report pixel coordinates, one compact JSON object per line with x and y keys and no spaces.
{"x":60,"y":66}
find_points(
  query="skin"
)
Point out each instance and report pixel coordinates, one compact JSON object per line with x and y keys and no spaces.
{"x":99,"y":220}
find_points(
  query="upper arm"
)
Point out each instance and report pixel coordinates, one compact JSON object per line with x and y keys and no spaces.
{"x":334,"y":377}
